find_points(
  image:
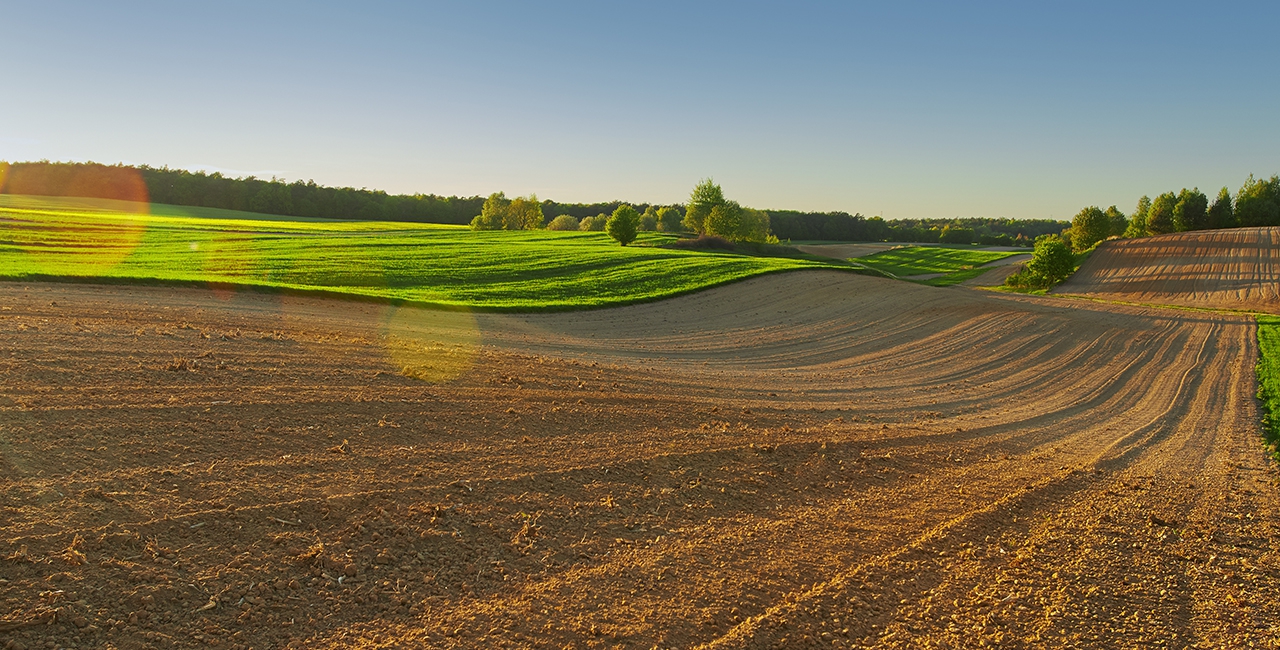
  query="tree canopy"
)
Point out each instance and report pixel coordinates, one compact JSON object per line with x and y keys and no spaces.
{"x":706,"y":196}
{"x":1089,"y":227}
{"x":622,"y":225}
{"x":501,"y":213}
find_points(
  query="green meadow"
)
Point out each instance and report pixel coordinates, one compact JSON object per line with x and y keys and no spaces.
{"x":427,"y":264}
{"x":957,"y":264}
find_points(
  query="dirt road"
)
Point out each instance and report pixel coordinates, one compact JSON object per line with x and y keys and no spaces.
{"x":1238,"y":268}
{"x":803,"y":460}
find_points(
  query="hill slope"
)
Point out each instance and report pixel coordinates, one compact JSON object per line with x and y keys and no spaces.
{"x":1221,"y":269}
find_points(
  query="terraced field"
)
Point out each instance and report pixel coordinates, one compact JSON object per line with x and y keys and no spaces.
{"x":812,"y":459}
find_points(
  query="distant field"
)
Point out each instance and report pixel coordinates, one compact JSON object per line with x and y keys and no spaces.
{"x":421,"y":263}
{"x":957,"y":264}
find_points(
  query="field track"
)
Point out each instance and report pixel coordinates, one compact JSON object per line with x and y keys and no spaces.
{"x":1238,"y":268}
{"x":812,"y":459}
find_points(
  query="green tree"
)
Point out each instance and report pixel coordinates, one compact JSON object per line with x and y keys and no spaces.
{"x":1138,"y":222}
{"x":1119,"y":224}
{"x":754,"y":226}
{"x":1221,"y":214}
{"x":705,"y":196}
{"x":649,"y":220}
{"x":594,"y":224}
{"x":1191,"y":211}
{"x":623,"y":224}
{"x":954,"y":234}
{"x":1160,"y":216}
{"x":724,"y":220}
{"x":493,"y":214}
{"x":1258,"y":203}
{"x":501,"y":213}
{"x":669,"y":219}
{"x":1089,"y":227}
{"x":1051,"y":263}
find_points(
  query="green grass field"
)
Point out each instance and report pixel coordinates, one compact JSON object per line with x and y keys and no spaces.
{"x":1269,"y":380}
{"x":958,"y":264}
{"x":424,"y":264}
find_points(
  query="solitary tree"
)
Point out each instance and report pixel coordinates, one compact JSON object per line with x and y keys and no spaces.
{"x":1221,"y":214}
{"x":1089,"y":227}
{"x":1119,"y":224}
{"x":1191,"y":212}
{"x":669,"y":219}
{"x":705,"y":196}
{"x":1160,"y":217}
{"x":622,"y":225}
{"x":1138,"y":222}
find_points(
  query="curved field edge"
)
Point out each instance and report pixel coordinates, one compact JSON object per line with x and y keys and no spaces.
{"x":1269,"y":381}
{"x":355,"y":296}
{"x":431,"y":266}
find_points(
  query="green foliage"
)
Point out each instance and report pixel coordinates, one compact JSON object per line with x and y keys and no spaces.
{"x":1258,"y":202}
{"x":1160,"y":216}
{"x":669,"y":219}
{"x":1051,"y":263}
{"x":952,"y":234}
{"x":1138,"y":222}
{"x":594,"y":224}
{"x":623,"y":224}
{"x":1119,"y":224}
{"x":1192,"y":210}
{"x":724,"y":220}
{"x":1089,"y":227}
{"x":706,"y":195}
{"x":1221,"y":214}
{"x":649,"y":220}
{"x":563,"y":222}
{"x":501,"y":213}
{"x":419,"y":263}
{"x":1269,"y":380}
{"x":921,"y":260}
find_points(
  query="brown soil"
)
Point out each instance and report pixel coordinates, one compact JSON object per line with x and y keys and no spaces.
{"x":1237,"y":268}
{"x":805,"y":460}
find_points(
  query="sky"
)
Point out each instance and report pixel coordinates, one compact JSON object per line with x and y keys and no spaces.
{"x":902,"y":109}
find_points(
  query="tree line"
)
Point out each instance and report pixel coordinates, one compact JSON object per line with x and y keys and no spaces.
{"x":1256,"y":203}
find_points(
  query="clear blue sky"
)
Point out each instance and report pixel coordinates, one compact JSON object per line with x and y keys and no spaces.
{"x":910,"y":109}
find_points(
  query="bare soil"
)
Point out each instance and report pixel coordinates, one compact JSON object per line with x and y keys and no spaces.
{"x":813,"y":459}
{"x":1237,"y":268}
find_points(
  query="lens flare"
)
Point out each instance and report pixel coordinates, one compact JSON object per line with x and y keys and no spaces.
{"x":74,"y":219}
{"x":433,"y":345}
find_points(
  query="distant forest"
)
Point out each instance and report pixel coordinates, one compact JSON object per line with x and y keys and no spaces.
{"x":307,"y":199}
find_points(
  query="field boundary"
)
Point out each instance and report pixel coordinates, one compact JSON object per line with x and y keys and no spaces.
{"x":1268,"y":369}
{"x":109,"y":280}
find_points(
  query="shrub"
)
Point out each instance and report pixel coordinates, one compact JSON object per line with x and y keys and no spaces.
{"x":595,"y":224}
{"x":563,"y":222}
{"x":1050,"y":264}
{"x":622,"y":225}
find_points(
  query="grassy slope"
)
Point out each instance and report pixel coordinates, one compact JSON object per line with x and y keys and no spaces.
{"x":421,"y":263}
{"x":958,"y":263}
{"x":1269,"y":379}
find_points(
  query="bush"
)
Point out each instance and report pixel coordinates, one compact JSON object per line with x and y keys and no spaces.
{"x":563,"y":222}
{"x":595,"y":224}
{"x":622,"y":225}
{"x":1050,"y":264}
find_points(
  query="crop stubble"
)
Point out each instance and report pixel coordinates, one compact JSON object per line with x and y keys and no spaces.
{"x":811,"y":459}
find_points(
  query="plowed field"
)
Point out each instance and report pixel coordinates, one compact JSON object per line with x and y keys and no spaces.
{"x":1238,"y":268}
{"x":812,"y":459}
